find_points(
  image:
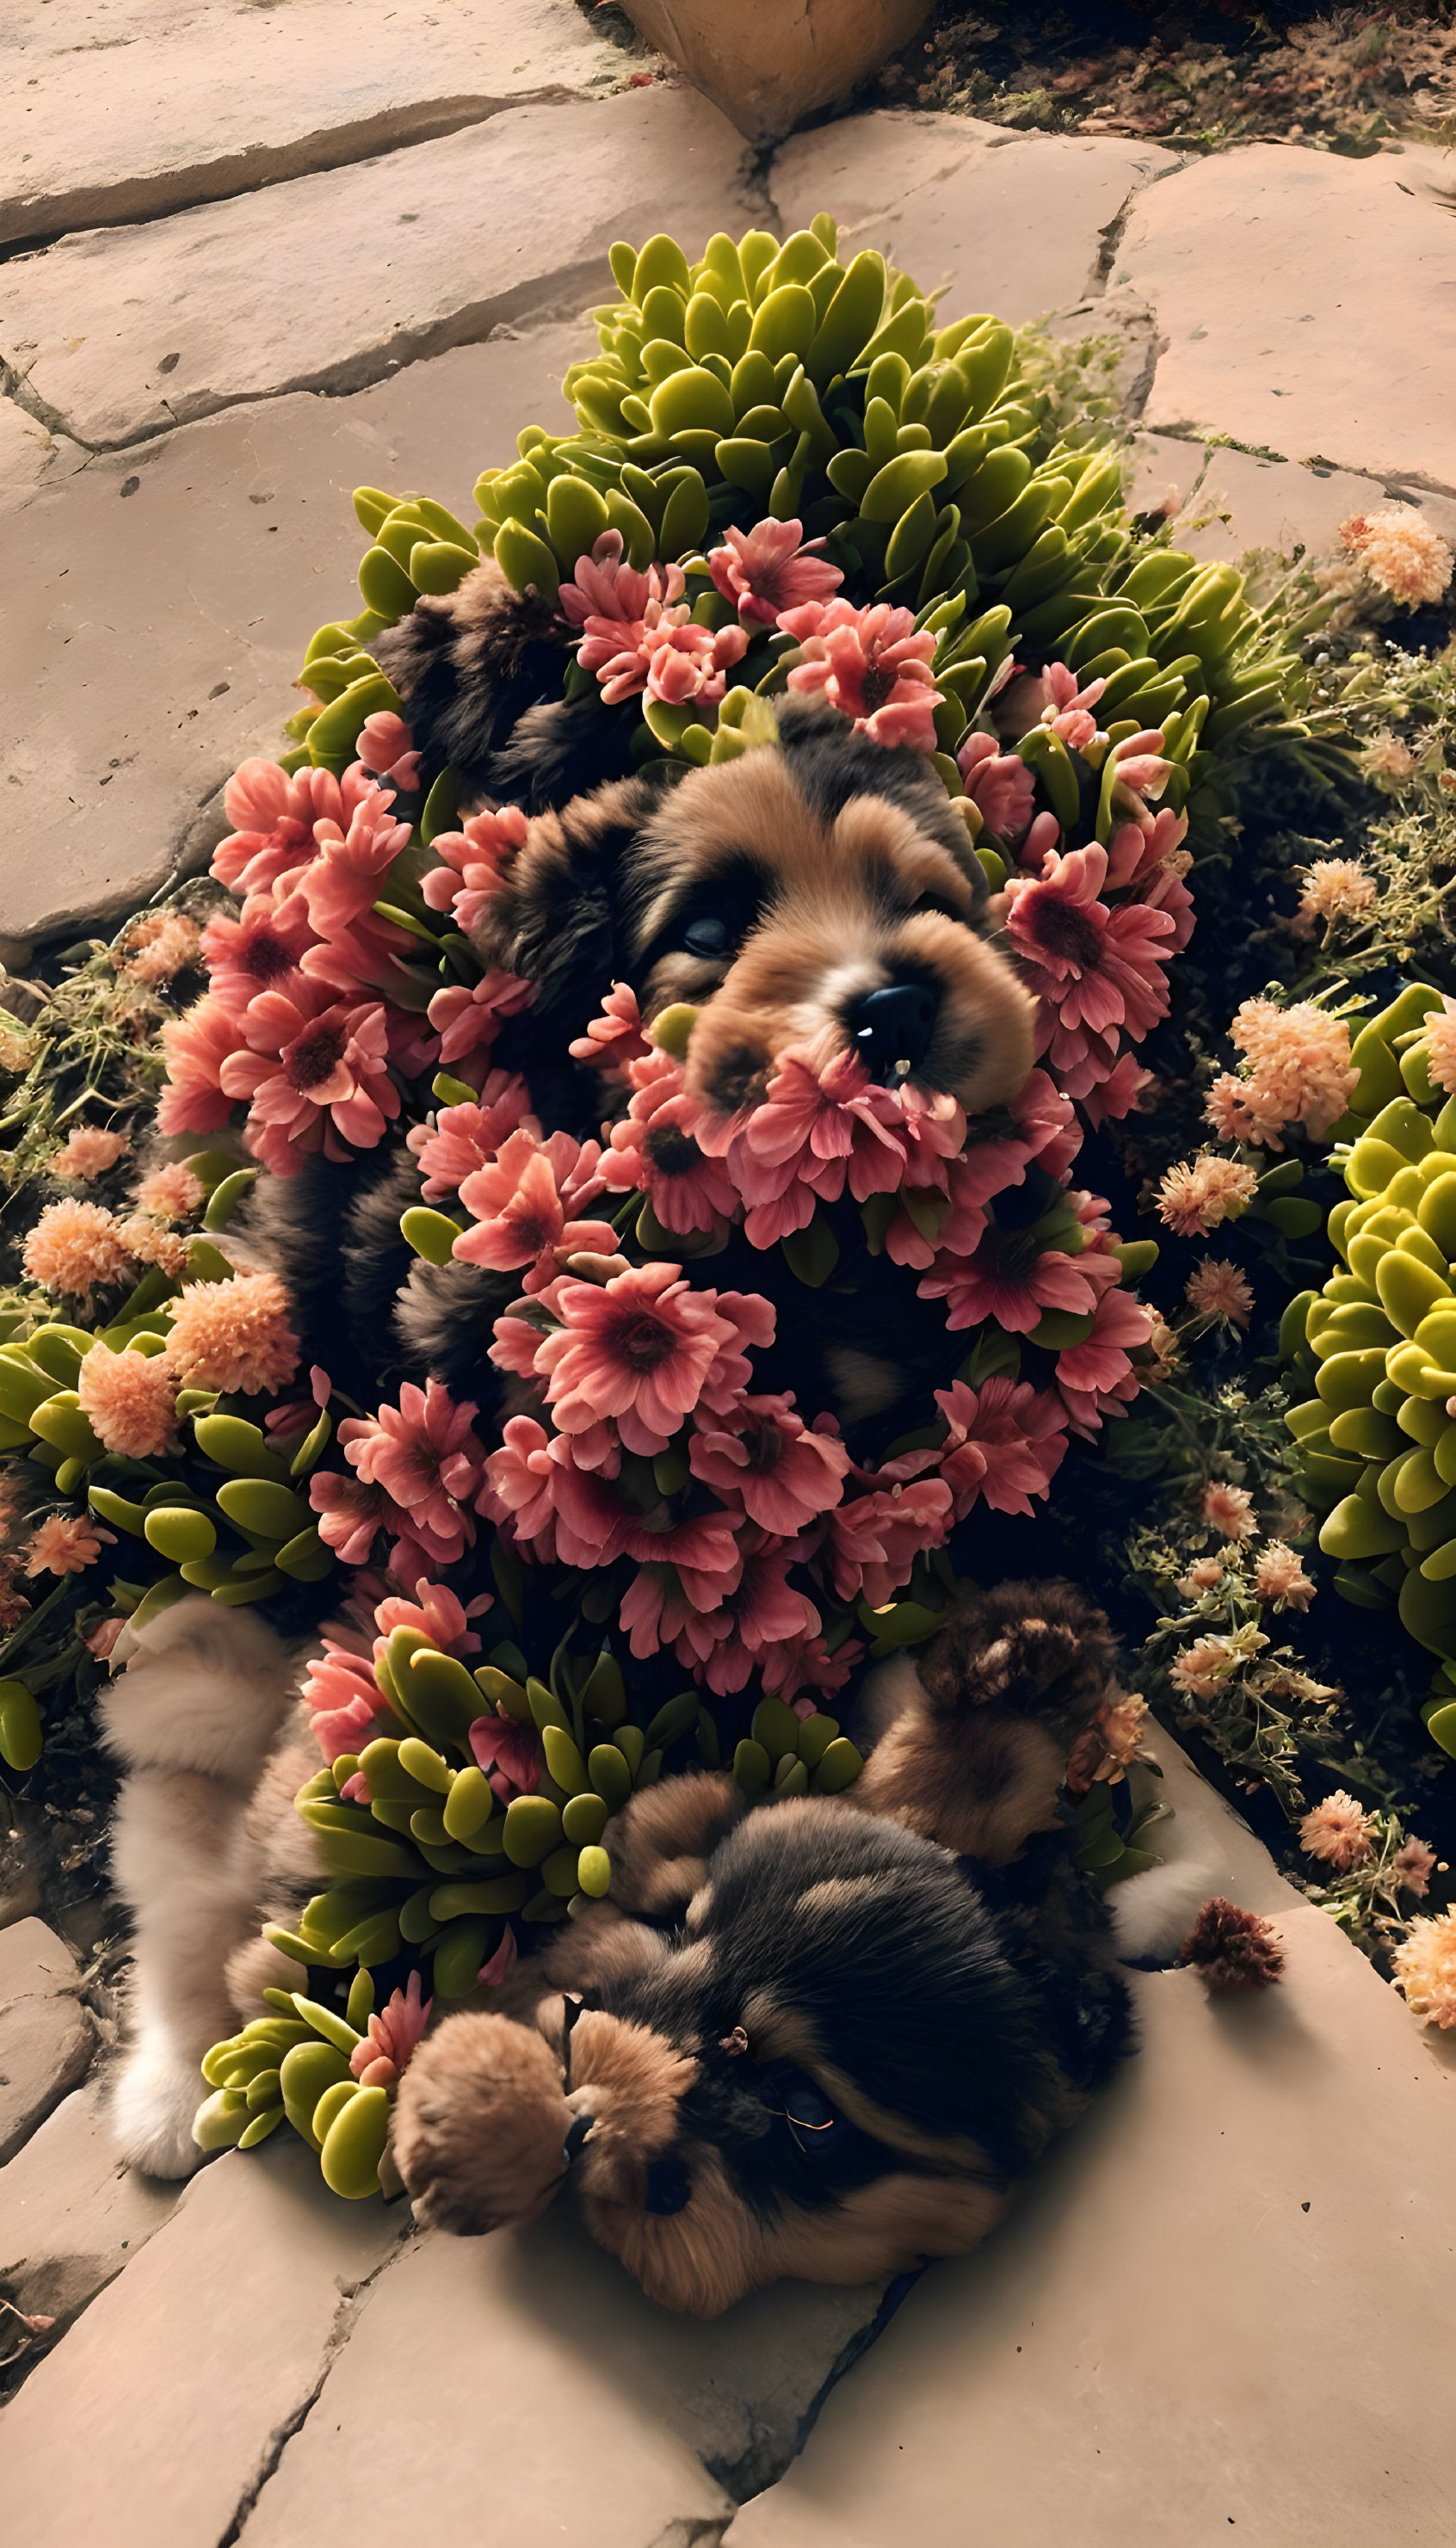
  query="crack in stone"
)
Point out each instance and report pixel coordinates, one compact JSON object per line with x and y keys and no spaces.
{"x":768,"y":2458}
{"x":1394,"y":485}
{"x":565,"y":294}
{"x":350,"y":2304}
{"x":131,"y":203}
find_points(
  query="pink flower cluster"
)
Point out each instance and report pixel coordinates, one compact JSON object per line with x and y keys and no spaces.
{"x":311,"y":1008}
{"x":639,"y":634}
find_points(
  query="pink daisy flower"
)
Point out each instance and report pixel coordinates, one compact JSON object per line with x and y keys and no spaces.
{"x":461,"y":1139}
{"x":258,"y":950}
{"x":1094,"y":968}
{"x":1011,"y":1279}
{"x":346,"y":1708}
{"x":349,"y":1514}
{"x":469,"y":1021}
{"x":638,"y":1348}
{"x":999,"y":784}
{"x":765,"y":1458}
{"x":870,"y":664}
{"x":770,"y":570}
{"x":1005,"y":1444}
{"x":197,"y":1045}
{"x":875,"y":1541}
{"x":615,"y":1037}
{"x":313,"y":1081}
{"x":427,"y":1460}
{"x":652,"y":1151}
{"x":382,"y":2053}
{"x":387,"y":752}
{"x":524,"y":1204}
{"x":475,"y":859}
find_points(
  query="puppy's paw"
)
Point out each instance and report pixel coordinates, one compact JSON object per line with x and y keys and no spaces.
{"x":155,"y":2095}
{"x":481,"y":2125}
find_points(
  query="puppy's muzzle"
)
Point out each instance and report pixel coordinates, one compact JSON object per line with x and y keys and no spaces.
{"x":892,"y":1030}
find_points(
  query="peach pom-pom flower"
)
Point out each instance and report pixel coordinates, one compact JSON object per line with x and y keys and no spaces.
{"x":74,"y":1247}
{"x":130,"y":1399}
{"x":1280,"y":1578}
{"x":1216,"y":1290}
{"x":1399,"y":551}
{"x":66,"y":1544}
{"x":1337,"y":1831}
{"x":1228,"y":1509}
{"x":89,"y":1153}
{"x":234,"y":1335}
{"x":170,"y":1193}
{"x":1425,"y":1970}
{"x":1199,"y":1194}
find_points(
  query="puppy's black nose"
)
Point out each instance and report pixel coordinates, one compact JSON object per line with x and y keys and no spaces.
{"x":893,"y":1028}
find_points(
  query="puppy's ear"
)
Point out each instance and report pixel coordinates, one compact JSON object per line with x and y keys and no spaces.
{"x":468,"y":665}
{"x":829,"y":764}
{"x":1041,"y":1650}
{"x":480,"y":2126}
{"x":556,"y":918}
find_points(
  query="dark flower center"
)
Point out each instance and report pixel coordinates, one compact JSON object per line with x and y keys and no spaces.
{"x":876,"y":686}
{"x":673,"y":1150}
{"x":765,"y":1447}
{"x":317,"y":1056}
{"x":1065,"y":931}
{"x":265,"y":958}
{"x":643,"y":1340}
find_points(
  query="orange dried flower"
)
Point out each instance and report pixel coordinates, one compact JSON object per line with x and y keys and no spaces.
{"x":66,"y":1544}
{"x":1234,"y":1948}
{"x":1228,"y":1509}
{"x":1216,"y":1290}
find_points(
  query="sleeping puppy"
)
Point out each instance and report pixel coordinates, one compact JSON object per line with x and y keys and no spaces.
{"x":823,"y":894}
{"x":824,"y":2037}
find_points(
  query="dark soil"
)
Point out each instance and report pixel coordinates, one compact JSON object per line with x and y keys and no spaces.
{"x":1201,"y":76}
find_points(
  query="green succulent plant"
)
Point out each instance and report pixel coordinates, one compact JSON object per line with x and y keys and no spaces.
{"x":773,"y":379}
{"x":1376,"y":1444}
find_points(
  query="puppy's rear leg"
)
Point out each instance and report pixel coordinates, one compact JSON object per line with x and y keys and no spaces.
{"x":193,"y":1716}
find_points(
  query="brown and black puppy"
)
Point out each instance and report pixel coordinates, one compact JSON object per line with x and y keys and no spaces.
{"x":822,"y":894}
{"x":824,"y":2037}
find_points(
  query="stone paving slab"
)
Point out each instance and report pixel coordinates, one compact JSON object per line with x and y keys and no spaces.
{"x":1308,"y":304}
{"x":71,"y":2213}
{"x":1012,"y":221}
{"x":123,"y":108}
{"x":45,"y":2036}
{"x":1268,"y":504}
{"x":559,"y":2403}
{"x":337,"y":2385}
{"x":164,"y":2405}
{"x":171,"y":592}
{"x":332,"y":281}
{"x":1225,"y":2303}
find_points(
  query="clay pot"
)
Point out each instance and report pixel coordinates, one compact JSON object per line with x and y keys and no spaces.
{"x":766,"y":62}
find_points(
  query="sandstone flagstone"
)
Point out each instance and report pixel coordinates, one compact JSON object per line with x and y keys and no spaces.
{"x":332,"y":281}
{"x":1308,"y":304}
{"x":560,"y":2404}
{"x":150,"y":2424}
{"x":1263,"y":503}
{"x":45,"y":2038}
{"x":121,"y":109}
{"x":169,"y":593}
{"x":1219,"y":2311}
{"x":72,"y":2214}
{"x":1012,"y":222}
{"x":552,"y":2383}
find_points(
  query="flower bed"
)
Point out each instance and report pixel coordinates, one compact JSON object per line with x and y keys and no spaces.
{"x":788,"y":478}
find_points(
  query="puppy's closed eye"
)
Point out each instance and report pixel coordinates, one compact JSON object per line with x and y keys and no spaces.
{"x":709,"y":933}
